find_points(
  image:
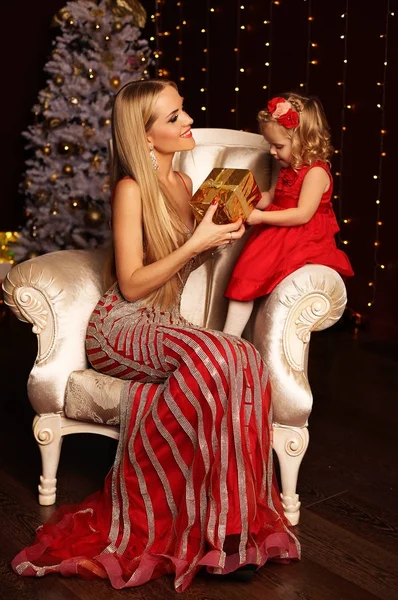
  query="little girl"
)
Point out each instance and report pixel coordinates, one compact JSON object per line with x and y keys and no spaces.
{"x":294,"y":222}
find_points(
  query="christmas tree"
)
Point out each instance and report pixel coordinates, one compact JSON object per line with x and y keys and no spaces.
{"x":66,"y":182}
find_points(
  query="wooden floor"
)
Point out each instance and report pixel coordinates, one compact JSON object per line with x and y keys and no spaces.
{"x":348,"y":483}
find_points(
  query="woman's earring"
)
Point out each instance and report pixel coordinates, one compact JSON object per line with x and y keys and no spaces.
{"x":153,"y":158}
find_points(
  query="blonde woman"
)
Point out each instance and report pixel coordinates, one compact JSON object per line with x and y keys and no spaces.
{"x":192,"y":483}
{"x":294,"y":221}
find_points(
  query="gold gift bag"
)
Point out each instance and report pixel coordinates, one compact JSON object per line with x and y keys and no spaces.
{"x":236,"y":191}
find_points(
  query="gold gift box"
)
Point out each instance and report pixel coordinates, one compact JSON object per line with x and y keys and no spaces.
{"x":236,"y":191}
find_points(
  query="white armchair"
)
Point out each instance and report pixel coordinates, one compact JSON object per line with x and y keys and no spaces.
{"x":57,"y":292}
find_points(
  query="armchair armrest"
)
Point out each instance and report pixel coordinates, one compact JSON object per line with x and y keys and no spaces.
{"x":56,"y":293}
{"x":310,"y":299}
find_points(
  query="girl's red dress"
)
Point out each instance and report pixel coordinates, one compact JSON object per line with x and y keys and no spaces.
{"x":273,"y":252}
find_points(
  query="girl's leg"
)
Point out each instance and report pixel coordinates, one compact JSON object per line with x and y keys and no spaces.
{"x":237,"y":317}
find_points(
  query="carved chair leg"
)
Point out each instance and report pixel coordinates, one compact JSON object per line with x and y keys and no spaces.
{"x":290,"y":445}
{"x":47,"y":432}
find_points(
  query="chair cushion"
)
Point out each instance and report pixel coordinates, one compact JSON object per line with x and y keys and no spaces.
{"x":93,"y":397}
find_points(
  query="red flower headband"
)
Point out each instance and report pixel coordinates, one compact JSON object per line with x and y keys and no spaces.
{"x":283,"y":112}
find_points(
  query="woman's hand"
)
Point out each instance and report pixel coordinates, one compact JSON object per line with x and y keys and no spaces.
{"x":256,"y":217}
{"x":209,"y":235}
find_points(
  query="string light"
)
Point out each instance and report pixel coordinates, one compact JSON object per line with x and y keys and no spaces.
{"x":156,"y":20}
{"x":239,"y":28}
{"x":206,"y":68}
{"x":379,"y":177}
{"x":343,"y":128}
{"x":310,"y":45}
{"x":268,"y":35}
{"x":339,"y":152}
{"x":180,"y":32}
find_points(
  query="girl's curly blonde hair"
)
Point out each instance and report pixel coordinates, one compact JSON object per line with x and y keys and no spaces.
{"x":311,"y":138}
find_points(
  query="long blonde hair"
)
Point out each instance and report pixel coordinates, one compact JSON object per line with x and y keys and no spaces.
{"x":311,"y":138}
{"x":163,"y":231}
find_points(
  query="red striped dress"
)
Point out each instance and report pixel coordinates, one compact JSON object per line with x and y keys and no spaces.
{"x":192,"y":484}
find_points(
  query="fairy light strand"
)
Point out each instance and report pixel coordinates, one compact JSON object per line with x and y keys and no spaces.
{"x":339,"y":174}
{"x":343,"y":127}
{"x":153,"y":40}
{"x":269,"y":24}
{"x":267,"y":59}
{"x":156,"y":19}
{"x":180,"y":54}
{"x":310,"y":19}
{"x":379,"y":177}
{"x":205,"y":32}
{"x":239,"y":27}
{"x":208,"y":19}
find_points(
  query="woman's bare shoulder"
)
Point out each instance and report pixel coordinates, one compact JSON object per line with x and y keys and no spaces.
{"x":126,"y":184}
{"x":126,"y":188}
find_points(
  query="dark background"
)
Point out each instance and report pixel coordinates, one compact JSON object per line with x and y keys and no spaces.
{"x":293,"y":27}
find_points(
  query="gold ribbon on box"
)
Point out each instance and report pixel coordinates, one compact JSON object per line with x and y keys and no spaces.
{"x":218,"y":186}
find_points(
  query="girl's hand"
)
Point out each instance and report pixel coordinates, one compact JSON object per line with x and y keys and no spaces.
{"x":209,"y":235}
{"x":256,"y":217}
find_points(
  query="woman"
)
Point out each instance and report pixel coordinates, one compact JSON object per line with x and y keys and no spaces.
{"x":192,"y":484}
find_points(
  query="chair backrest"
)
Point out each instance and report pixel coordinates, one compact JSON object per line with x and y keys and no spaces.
{"x":226,"y":148}
{"x":203,"y":301}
